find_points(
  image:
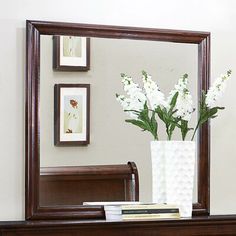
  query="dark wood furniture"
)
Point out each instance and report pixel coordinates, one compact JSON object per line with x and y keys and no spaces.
{"x":204,"y":226}
{"x":32,"y":128}
{"x":75,"y":185}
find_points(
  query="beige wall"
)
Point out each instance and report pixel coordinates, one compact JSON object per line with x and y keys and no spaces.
{"x":216,"y":16}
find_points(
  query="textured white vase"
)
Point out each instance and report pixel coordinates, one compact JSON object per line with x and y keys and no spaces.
{"x":173,"y":173}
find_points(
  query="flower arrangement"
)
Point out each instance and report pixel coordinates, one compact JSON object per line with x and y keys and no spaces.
{"x":147,"y":105}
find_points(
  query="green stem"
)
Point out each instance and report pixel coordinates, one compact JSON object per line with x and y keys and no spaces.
{"x":195,"y":130}
{"x":184,"y":129}
{"x":168,"y":133}
{"x":155,"y":136}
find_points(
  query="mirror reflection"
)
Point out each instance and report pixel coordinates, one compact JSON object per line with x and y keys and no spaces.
{"x":112,"y":140}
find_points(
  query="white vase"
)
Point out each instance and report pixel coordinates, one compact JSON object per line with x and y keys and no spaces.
{"x":173,"y":174}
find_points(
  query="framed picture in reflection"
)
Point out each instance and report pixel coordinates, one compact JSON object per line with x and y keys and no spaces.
{"x":71,"y":114}
{"x":71,"y":53}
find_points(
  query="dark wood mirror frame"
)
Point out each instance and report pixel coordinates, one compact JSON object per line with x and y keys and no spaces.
{"x":32,"y":122}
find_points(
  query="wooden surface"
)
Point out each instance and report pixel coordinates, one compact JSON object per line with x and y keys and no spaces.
{"x":204,"y":226}
{"x":74,"y":185}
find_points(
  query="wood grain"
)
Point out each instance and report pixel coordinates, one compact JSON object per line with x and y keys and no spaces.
{"x":61,"y":186}
{"x":213,"y":225}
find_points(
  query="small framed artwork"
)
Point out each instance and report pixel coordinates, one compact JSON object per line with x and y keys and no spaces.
{"x":71,"y":114}
{"x":71,"y":53}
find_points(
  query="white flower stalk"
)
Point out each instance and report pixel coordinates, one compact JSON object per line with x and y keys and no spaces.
{"x":208,"y":107}
{"x":147,"y":105}
{"x":185,"y":106}
{"x":136,"y":98}
{"x":184,"y":103}
{"x":216,"y":90}
{"x":125,"y":103}
{"x":153,"y":93}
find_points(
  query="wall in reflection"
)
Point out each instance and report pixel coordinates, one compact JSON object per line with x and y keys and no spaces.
{"x":112,"y":141}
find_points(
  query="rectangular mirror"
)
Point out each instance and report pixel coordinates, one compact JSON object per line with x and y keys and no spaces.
{"x":165,"y":54}
{"x":113,"y":141}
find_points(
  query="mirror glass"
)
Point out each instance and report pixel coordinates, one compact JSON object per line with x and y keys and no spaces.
{"x":112,"y":140}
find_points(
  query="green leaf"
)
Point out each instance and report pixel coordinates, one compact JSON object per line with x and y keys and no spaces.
{"x":174,"y":99}
{"x":143,"y":115}
{"x":209,"y":114}
{"x":134,"y":111}
{"x":171,"y":129}
{"x":159,"y":112}
{"x":154,"y":125}
{"x":173,"y":103}
{"x":220,"y":108}
{"x":173,"y":112}
{"x":138,"y":123}
{"x":184,"y":128}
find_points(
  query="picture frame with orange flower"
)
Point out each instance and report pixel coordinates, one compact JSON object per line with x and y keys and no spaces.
{"x":71,"y":114}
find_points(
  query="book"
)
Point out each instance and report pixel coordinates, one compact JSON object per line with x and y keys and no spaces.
{"x":142,"y":216}
{"x":113,"y":203}
{"x":129,"y":210}
{"x":141,"y":208}
{"x":149,"y":211}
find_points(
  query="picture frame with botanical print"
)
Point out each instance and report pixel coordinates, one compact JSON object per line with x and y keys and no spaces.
{"x":71,"y":53}
{"x":71,"y":114}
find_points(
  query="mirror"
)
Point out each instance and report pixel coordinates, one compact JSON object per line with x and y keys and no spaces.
{"x":112,"y":140}
{"x":166,"y":55}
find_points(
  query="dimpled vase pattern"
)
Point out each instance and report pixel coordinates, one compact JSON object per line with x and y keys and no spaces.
{"x":173,"y":173}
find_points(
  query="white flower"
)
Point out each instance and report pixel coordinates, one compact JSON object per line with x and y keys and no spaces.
{"x":184,"y":103}
{"x":136,"y":98}
{"x":216,"y":90}
{"x":153,"y":93}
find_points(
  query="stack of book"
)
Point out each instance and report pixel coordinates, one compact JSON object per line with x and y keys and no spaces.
{"x":139,"y":211}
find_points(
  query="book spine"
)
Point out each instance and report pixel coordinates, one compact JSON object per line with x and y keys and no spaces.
{"x":151,"y":216}
{"x":149,"y":211}
{"x":150,"y":206}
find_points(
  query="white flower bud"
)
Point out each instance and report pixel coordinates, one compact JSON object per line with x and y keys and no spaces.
{"x":136,"y":98}
{"x":153,"y":93}
{"x":216,"y":90}
{"x":184,"y":103}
